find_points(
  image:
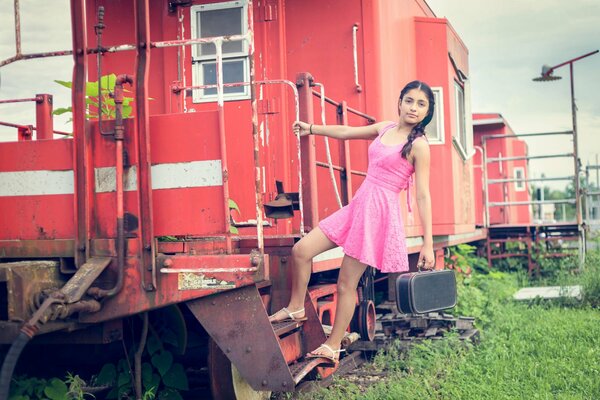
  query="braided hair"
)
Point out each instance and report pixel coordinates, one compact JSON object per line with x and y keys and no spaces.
{"x":419,"y":129}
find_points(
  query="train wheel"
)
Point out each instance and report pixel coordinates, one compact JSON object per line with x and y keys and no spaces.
{"x":225,"y":380}
{"x":366,"y":320}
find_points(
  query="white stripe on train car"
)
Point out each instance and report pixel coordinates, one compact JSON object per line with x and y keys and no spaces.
{"x":190,"y":174}
{"x":106,"y":179}
{"x":36,"y":183}
{"x":164,"y":176}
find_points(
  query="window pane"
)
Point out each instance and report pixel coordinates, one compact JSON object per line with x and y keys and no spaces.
{"x":233,"y":71}
{"x":224,"y":22}
{"x":460,"y":117}
{"x":520,"y":175}
{"x":432,"y":130}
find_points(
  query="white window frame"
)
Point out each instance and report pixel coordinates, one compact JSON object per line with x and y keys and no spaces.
{"x":438,"y":116}
{"x":199,"y":60}
{"x":463,"y":139}
{"x":520,"y":185}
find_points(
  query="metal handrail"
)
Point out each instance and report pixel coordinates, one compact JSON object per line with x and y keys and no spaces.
{"x":18,"y":100}
{"x":355,"y":56}
{"x":327,"y":149}
{"x":351,"y":110}
{"x":534,"y":202}
{"x":498,"y":159}
{"x":516,"y":135}
{"x":562,"y":178}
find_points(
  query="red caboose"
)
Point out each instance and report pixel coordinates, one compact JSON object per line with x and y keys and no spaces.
{"x":215,"y":87}
{"x":506,"y":181}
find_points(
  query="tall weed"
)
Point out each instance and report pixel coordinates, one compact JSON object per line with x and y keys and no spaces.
{"x":590,"y":279}
{"x":480,"y":295}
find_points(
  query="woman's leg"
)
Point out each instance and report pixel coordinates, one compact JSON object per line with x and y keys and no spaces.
{"x":350,"y":273}
{"x":315,"y":242}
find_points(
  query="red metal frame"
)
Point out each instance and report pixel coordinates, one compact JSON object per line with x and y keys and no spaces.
{"x":147,"y":245}
{"x":308,"y":160}
{"x":81,"y":149}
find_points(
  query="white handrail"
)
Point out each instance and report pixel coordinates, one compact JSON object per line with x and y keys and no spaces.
{"x":327,"y":150}
{"x":355,"y":52}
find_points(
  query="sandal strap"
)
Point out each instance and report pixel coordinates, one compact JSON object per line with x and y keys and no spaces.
{"x":291,"y":313}
{"x":333,"y":352}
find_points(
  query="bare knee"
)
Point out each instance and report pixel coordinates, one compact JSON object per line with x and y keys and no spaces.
{"x":301,"y":252}
{"x":346,"y":288}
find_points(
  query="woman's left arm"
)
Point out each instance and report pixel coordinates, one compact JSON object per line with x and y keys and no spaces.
{"x":421,"y":156}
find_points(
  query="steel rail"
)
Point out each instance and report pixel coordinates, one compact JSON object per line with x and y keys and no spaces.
{"x":498,"y":159}
{"x":327,"y":149}
{"x":534,"y":202}
{"x":562,"y":178}
{"x":516,"y":135}
{"x":351,"y":110}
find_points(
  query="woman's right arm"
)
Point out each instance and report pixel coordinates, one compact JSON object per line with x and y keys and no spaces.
{"x":339,"y":131}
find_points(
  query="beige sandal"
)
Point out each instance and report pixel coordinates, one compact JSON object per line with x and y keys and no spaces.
{"x":331,"y":358}
{"x":290,"y":316}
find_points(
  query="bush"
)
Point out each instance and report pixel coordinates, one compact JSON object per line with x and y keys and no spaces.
{"x":480,"y":295}
{"x":590,"y":279}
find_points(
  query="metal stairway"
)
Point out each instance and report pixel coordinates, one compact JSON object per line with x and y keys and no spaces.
{"x":268,"y":356}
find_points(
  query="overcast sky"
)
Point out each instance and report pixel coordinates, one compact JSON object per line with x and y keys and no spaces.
{"x":508,"y":42}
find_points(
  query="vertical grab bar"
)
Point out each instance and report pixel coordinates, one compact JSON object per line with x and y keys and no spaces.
{"x":327,"y":150}
{"x":355,"y":52}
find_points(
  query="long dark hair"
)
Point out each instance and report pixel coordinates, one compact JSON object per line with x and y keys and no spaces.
{"x":419,"y":129}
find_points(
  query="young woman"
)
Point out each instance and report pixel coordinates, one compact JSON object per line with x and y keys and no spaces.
{"x":370,"y":229}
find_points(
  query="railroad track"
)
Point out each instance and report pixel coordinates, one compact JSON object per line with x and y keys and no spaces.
{"x":391,"y":327}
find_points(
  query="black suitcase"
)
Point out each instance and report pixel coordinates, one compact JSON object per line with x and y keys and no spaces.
{"x":425,"y":291}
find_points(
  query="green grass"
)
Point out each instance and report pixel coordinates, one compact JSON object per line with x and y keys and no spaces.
{"x":532,"y":352}
{"x":536,"y":350}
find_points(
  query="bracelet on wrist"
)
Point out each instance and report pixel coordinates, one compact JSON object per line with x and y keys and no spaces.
{"x":310,"y":129}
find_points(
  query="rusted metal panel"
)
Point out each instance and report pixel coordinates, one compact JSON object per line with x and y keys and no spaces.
{"x":36,"y":248}
{"x":291,"y":347}
{"x":195,"y":277}
{"x":237,"y":321}
{"x":24,"y":280}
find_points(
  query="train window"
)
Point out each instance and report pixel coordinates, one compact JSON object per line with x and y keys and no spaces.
{"x":462,"y":135}
{"x":519,"y":173}
{"x":435,"y":129}
{"x":213,"y":20}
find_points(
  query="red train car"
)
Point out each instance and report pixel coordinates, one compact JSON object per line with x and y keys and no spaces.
{"x":507,"y":173}
{"x":166,"y":207}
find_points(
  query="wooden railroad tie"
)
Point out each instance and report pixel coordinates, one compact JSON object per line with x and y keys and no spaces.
{"x":414,"y":328}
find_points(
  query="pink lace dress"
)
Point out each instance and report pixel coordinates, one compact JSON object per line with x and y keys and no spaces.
{"x":370,"y":227}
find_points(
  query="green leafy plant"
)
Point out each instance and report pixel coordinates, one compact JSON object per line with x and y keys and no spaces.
{"x":93,"y":96}
{"x":463,"y":259}
{"x":72,"y":388}
{"x":233,"y":206}
{"x":162,"y":376}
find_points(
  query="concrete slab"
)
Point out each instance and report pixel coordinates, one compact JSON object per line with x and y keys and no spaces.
{"x":548,"y":292}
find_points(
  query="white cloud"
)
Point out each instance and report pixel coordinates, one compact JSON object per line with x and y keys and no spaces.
{"x":508,"y":42}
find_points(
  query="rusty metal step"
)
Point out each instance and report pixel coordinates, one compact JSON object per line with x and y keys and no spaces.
{"x":281,"y":328}
{"x":300,"y":369}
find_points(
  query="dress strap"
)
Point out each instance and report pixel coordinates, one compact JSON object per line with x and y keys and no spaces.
{"x":387,"y":127}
